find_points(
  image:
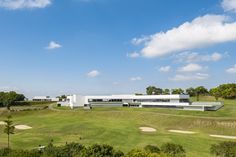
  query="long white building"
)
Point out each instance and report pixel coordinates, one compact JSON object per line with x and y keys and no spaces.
{"x":44,"y":98}
{"x":151,"y":101}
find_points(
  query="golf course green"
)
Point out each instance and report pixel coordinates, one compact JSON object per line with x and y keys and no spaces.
{"x":119,"y":127}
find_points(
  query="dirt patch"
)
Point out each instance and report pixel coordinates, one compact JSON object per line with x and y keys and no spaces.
{"x":23,"y":127}
{"x":2,"y":123}
{"x":224,"y":136}
{"x":147,"y":129}
{"x":182,"y":131}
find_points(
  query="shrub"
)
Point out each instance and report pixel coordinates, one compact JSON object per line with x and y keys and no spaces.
{"x":19,"y":153}
{"x":143,"y":153}
{"x":152,"y":149}
{"x":4,"y":151}
{"x":103,"y":150}
{"x":173,"y":150}
{"x":224,"y":149}
{"x":137,"y":153}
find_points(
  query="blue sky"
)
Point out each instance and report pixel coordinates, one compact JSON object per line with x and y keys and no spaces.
{"x":53,"y":47}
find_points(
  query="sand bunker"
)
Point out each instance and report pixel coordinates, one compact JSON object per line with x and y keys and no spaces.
{"x":19,"y":127}
{"x":223,"y":136}
{"x":182,"y":131}
{"x":147,"y":129}
{"x":2,"y":123}
{"x":23,"y":127}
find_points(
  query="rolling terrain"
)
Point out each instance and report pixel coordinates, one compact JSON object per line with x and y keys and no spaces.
{"x":119,"y":127}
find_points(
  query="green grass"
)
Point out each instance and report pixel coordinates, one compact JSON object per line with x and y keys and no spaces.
{"x":119,"y":127}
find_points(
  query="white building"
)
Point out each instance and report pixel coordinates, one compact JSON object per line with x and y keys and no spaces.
{"x":151,"y":101}
{"x":44,"y":98}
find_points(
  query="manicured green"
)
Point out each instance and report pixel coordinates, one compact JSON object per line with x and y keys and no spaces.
{"x":119,"y":127}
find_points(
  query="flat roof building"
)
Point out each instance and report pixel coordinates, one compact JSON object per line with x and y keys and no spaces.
{"x":44,"y":98}
{"x":142,"y":101}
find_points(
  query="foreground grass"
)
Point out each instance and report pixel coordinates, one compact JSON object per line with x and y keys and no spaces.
{"x":119,"y":127}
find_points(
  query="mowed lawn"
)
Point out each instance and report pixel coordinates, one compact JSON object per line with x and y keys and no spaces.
{"x":119,"y":127}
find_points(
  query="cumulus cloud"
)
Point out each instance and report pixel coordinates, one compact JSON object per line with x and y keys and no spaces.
{"x":165,"y":69}
{"x":191,"y":57}
{"x":190,"y":77}
{"x":232,"y":70}
{"x":20,"y":4}
{"x":135,"y":78}
{"x":133,"y":55}
{"x":53,"y":45}
{"x":138,"y":41}
{"x":229,"y":5}
{"x":201,"y":32}
{"x":191,"y":68}
{"x":93,"y":73}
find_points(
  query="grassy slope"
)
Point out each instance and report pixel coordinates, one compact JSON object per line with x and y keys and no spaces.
{"x":119,"y":127}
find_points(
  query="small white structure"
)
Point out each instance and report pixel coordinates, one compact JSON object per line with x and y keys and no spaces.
{"x":44,"y":98}
{"x":151,"y":101}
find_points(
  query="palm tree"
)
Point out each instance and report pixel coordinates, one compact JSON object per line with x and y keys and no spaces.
{"x":9,"y":129}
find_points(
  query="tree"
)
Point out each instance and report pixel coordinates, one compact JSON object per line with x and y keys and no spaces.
{"x":166,"y":91}
{"x":173,"y":150}
{"x":9,"y":129}
{"x":215,"y":92}
{"x":177,"y":91}
{"x":190,"y":91}
{"x":228,"y":91}
{"x":2,"y":95}
{"x":7,"y":99}
{"x":201,"y":90}
{"x":224,"y":149}
{"x":152,"y":90}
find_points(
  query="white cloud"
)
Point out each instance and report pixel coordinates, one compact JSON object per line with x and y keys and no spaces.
{"x":214,"y":57}
{"x":135,"y":78}
{"x":232,"y":70}
{"x":191,"y":68}
{"x":201,"y":32}
{"x":191,"y":57}
{"x":138,"y":41}
{"x":20,"y":4}
{"x":93,"y":73}
{"x":197,"y":76}
{"x":7,"y":88}
{"x":133,"y":55}
{"x":165,"y":69}
{"x":229,"y":5}
{"x":53,"y":45}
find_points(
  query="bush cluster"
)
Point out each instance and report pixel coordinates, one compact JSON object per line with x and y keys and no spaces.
{"x":224,"y":149}
{"x":96,"y":150}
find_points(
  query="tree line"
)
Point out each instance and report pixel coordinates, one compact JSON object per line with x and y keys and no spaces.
{"x":222,"y":149}
{"x":96,"y":150}
{"x":8,"y":99}
{"x":226,"y":91}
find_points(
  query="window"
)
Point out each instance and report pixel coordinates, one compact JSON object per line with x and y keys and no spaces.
{"x":152,"y":100}
{"x":183,"y":100}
